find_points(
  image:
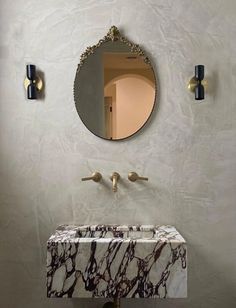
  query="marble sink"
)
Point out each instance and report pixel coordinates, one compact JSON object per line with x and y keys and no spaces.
{"x":114,"y":261}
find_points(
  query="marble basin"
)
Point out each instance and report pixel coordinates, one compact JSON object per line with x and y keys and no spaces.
{"x":114,"y":261}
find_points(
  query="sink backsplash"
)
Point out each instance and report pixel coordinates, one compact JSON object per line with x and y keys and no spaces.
{"x":117,"y":231}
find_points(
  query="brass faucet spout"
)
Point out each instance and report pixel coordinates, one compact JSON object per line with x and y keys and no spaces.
{"x":115,"y":178}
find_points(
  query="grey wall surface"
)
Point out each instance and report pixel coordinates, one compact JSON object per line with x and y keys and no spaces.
{"x":188,"y":150}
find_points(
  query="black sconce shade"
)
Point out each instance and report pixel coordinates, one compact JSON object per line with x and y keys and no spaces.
{"x":199,"y":92}
{"x":32,"y":91}
{"x":31,"y":72}
{"x":199,"y":72}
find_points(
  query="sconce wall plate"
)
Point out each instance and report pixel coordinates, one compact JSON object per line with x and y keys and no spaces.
{"x":38,"y":82}
{"x":193,"y":83}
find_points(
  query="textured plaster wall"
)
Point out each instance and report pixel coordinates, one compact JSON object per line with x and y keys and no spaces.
{"x":188,"y":150}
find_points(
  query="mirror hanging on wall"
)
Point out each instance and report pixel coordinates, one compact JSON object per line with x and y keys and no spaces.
{"x":114,"y":87}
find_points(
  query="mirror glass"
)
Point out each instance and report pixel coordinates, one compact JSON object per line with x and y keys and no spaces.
{"x":114,"y":89}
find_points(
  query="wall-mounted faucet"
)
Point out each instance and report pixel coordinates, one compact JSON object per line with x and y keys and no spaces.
{"x":115,"y":178}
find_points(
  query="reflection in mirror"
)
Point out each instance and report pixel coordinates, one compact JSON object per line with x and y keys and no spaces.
{"x":129,"y":93}
{"x":115,"y":89}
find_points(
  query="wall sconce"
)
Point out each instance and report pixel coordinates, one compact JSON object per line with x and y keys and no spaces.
{"x":33,"y":83}
{"x":197,"y":83}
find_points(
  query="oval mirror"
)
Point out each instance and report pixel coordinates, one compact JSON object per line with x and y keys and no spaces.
{"x":115,"y":87}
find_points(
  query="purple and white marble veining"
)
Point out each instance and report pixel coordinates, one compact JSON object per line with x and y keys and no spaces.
{"x":116,"y":261}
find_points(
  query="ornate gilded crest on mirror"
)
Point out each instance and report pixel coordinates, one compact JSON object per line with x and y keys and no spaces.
{"x":115,"y":87}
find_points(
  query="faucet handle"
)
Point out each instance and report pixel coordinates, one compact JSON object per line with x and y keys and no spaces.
{"x":133,"y":177}
{"x":96,"y":177}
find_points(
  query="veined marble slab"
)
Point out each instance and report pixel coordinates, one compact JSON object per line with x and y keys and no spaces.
{"x":116,"y":261}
